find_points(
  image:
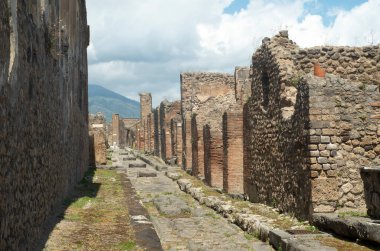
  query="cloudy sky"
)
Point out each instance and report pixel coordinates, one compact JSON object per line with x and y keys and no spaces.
{"x":143,"y":45}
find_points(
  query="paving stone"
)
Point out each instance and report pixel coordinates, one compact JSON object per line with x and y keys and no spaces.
{"x":182,"y":223}
{"x":146,"y":174}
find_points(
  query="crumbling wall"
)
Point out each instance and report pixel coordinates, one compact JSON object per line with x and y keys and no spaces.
{"x":306,"y":137}
{"x":205,"y":97}
{"x":43,"y":113}
{"x":242,"y":85}
{"x":233,"y":133}
{"x":275,"y":168}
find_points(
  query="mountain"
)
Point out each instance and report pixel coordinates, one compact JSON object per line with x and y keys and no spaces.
{"x":108,"y":102}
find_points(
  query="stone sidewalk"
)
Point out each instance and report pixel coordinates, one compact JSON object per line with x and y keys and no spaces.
{"x":180,"y":221}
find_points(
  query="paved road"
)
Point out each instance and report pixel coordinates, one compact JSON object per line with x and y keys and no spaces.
{"x":180,"y":221}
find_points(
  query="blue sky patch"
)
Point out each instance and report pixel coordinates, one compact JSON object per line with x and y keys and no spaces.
{"x":327,"y":8}
{"x":236,"y":6}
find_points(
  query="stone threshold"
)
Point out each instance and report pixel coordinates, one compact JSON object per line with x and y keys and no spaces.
{"x":362,"y":228}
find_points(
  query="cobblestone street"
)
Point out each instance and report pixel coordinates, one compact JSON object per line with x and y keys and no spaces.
{"x":181,"y":223}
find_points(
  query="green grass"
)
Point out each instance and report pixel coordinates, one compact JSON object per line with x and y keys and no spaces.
{"x":128,"y":245}
{"x":352,"y":214}
{"x":81,"y":202}
{"x":249,"y":236}
{"x":213,"y":215}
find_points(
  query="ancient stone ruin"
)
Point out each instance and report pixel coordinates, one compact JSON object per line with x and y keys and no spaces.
{"x":98,"y":139}
{"x":43,"y":113}
{"x":292,"y":131}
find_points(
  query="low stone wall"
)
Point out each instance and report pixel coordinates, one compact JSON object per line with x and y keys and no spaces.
{"x":43,"y":113}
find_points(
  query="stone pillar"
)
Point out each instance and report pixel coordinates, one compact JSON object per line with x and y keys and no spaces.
{"x":116,"y":130}
{"x":233,"y":152}
{"x":157,"y":143}
{"x":197,"y":148}
{"x":213,"y":157}
{"x":243,"y":84}
{"x":186,"y":140}
{"x":168,"y":144}
{"x":179,"y":143}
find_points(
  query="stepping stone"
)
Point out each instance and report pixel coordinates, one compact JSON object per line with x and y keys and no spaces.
{"x":146,"y":174}
{"x":137,"y":165}
{"x":129,"y":158}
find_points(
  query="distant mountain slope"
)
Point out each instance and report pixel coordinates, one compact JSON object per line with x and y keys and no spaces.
{"x":103,"y":100}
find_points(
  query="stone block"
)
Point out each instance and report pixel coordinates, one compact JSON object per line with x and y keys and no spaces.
{"x":322,"y":160}
{"x":137,"y":165}
{"x":325,"y":139}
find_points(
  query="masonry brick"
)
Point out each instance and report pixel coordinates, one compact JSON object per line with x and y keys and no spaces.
{"x":213,"y":156}
{"x":233,"y":152}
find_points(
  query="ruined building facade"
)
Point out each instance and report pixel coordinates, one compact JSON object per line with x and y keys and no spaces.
{"x":43,"y":113}
{"x":298,"y":130}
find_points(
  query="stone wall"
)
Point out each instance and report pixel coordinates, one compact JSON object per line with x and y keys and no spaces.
{"x":306,"y":137}
{"x":43,"y":113}
{"x":343,"y":138}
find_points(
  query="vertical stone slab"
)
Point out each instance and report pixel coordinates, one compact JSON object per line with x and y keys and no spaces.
{"x":145,"y":110}
{"x":179,"y":143}
{"x":243,"y":84}
{"x":233,"y":152}
{"x":187,"y":147}
{"x":116,"y":130}
{"x":197,"y":148}
{"x":157,"y":144}
{"x":213,"y":157}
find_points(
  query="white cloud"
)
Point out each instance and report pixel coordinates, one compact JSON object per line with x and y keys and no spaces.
{"x":144,"y":45}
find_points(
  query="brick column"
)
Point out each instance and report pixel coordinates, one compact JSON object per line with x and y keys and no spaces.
{"x":197,"y":148}
{"x":233,"y":152}
{"x":186,"y":136}
{"x":179,"y":143}
{"x":213,"y":157}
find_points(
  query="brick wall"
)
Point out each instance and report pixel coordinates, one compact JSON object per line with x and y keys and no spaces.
{"x":206,"y":96}
{"x":43,"y":113}
{"x":233,"y":152}
{"x":213,"y":157}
